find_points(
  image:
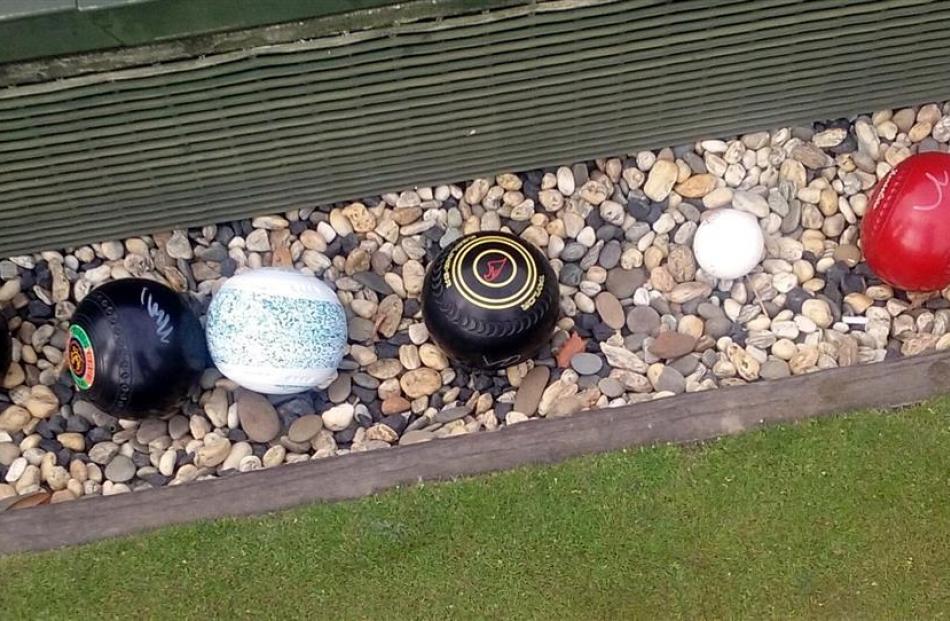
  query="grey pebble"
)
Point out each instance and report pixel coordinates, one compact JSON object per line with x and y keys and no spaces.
{"x":774,"y":369}
{"x":573,"y":251}
{"x":296,"y":407}
{"x":610,"y":255}
{"x":687,"y":364}
{"x":793,"y":218}
{"x":339,"y":390}
{"x":177,"y":426}
{"x":120,"y":469}
{"x":586,"y":363}
{"x":671,"y":380}
{"x":718,"y":327}
{"x":8,"y":270}
{"x":610,"y":387}
{"x":587,"y":381}
{"x":365,"y":380}
{"x":636,"y":231}
{"x":590,"y":259}
{"x":695,"y":162}
{"x":690,"y":211}
{"x":449,"y":414}
{"x":634,"y":342}
{"x":708,"y":310}
{"x":360,"y":329}
{"x":150,"y":429}
{"x":581,"y":174}
{"x":623,"y":282}
{"x":373,"y":281}
{"x":571,"y":275}
{"x":643,"y":320}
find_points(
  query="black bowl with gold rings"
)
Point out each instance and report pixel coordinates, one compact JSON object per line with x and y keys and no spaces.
{"x":490,"y":300}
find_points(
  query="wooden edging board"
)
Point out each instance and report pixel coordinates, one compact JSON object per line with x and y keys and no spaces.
{"x":686,"y":418}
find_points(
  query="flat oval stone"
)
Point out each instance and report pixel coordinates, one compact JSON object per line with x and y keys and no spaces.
{"x":120,"y":469}
{"x":415,"y":437}
{"x":258,"y":417}
{"x":586,"y":363}
{"x":529,"y":393}
{"x":304,"y":428}
{"x":622,"y":282}
{"x":610,"y":255}
{"x":609,"y":309}
{"x":643,"y":320}
{"x":449,"y":414}
{"x":670,"y":380}
{"x":774,"y":369}
{"x":672,"y":345}
{"x":339,"y":390}
{"x":611,"y":387}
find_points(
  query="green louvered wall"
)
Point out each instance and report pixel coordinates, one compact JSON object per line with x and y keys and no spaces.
{"x":243,"y":133}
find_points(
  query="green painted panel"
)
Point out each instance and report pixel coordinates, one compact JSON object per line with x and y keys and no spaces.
{"x":312,"y":122}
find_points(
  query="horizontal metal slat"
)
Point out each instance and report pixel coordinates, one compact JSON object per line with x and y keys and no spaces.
{"x":264,"y":152}
{"x":191,"y":144}
{"x":125,"y":156}
{"x":492,"y":146}
{"x":450,"y":36}
{"x":702,"y":31}
{"x":488,"y":53}
{"x":263,"y":111}
{"x":290,"y":199}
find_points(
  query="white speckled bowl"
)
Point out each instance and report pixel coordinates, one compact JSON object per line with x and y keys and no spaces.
{"x":276,"y":331}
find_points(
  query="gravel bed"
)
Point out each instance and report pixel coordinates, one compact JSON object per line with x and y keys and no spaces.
{"x":639,"y":321}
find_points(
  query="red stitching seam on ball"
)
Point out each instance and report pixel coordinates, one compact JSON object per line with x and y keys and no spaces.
{"x":893,"y":184}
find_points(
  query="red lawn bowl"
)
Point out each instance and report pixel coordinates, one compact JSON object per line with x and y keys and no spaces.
{"x":906,"y":231}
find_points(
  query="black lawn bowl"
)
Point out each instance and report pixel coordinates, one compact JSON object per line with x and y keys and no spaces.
{"x":135,"y":348}
{"x":490,"y":300}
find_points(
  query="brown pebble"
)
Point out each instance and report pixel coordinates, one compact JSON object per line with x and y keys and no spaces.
{"x":395,"y":405}
{"x":848,"y":254}
{"x":420,"y":382}
{"x":258,"y":417}
{"x":610,"y":310}
{"x":304,"y":428}
{"x":531,"y":389}
{"x":25,"y":501}
{"x":63,"y":495}
{"x":672,"y":345}
{"x":623,"y":282}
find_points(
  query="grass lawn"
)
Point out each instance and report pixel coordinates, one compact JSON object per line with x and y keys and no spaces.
{"x":840,"y":518}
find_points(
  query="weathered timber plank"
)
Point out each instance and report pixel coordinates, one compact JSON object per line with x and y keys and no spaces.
{"x":83,"y":48}
{"x":687,"y":418}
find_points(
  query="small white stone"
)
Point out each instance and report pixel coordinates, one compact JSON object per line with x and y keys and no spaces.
{"x":565,"y":181}
{"x":418,"y":333}
{"x":338,"y":417}
{"x":728,"y":244}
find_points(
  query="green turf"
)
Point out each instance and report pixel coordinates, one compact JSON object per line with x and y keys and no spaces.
{"x":841,"y":518}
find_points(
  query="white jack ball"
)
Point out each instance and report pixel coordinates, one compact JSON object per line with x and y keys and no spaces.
{"x":276,"y":331}
{"x":729,"y":243}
